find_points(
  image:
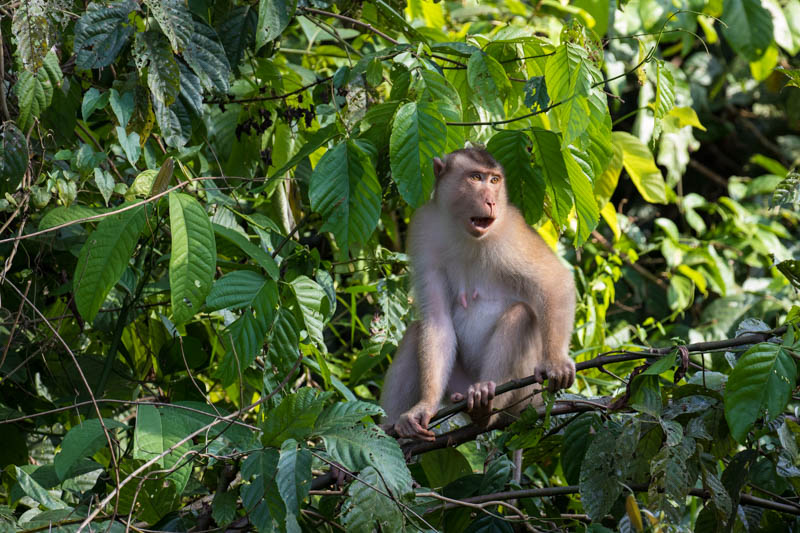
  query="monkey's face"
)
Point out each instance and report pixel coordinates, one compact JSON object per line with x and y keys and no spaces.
{"x":474,"y":196}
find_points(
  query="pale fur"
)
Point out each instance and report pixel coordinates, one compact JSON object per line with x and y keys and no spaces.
{"x":520,"y":305}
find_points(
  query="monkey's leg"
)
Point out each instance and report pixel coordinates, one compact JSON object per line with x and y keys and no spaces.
{"x":512,"y":352}
{"x":401,"y":384}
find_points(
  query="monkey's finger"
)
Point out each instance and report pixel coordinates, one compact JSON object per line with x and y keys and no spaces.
{"x":539,"y":375}
{"x":485,"y":397}
{"x":471,"y":398}
{"x":421,"y":432}
{"x":492,"y":387}
{"x":456,"y":397}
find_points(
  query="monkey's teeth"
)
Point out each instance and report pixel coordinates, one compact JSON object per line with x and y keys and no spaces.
{"x":482,"y":222}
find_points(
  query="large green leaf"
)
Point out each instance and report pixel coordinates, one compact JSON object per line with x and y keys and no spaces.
{"x":345,"y":414}
{"x":32,"y":31}
{"x":154,"y":57}
{"x":34,"y":490}
{"x":368,"y":505}
{"x":512,"y":148}
{"x":193,"y":258}
{"x":310,"y":297}
{"x":548,"y":157}
{"x":273,"y":17}
{"x":175,"y":20}
{"x":156,"y":432}
{"x":251,"y":250}
{"x":568,"y":82}
{"x":237,"y":32}
{"x":61,"y":215}
{"x":489,"y":82}
{"x":293,"y":418}
{"x":13,"y":157}
{"x":240,"y":288}
{"x":83,"y":440}
{"x":294,"y":475}
{"x":357,"y":447}
{"x":747,"y":27}
{"x":205,"y":55}
{"x":35,"y":91}
{"x":284,"y":339}
{"x":418,"y":135}
{"x":344,"y":189}
{"x":671,"y":478}
{"x":638,"y":162}
{"x":761,"y":383}
{"x":101,"y":32}
{"x":174,"y":122}
{"x":585,"y":204}
{"x":665,"y":90}
{"x":104,"y":257}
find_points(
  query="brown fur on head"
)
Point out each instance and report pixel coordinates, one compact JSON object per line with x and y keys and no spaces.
{"x":470,"y":187}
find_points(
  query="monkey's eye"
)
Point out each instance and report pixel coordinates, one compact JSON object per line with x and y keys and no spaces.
{"x":475,"y":177}
{"x":495,"y":179}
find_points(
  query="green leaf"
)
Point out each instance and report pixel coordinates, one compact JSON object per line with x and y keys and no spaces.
{"x":365,"y":507}
{"x":418,"y":135}
{"x":251,"y":250}
{"x":310,"y":297}
{"x":284,"y":341}
{"x":223,"y":508}
{"x":204,"y":53}
{"x":93,"y":100}
{"x":154,"y":58}
{"x":237,"y":32}
{"x":273,"y":17}
{"x":174,"y":122}
{"x":344,"y":189}
{"x":32,"y":31}
{"x":293,"y":418}
{"x":241,"y":288}
{"x":548,"y":157}
{"x":294,"y":475}
{"x":444,"y":466}
{"x":358,"y":447}
{"x":787,"y":193}
{"x":489,"y":82}
{"x":761,"y":383}
{"x":599,"y":480}
{"x":61,"y":215}
{"x":13,"y":157}
{"x":193,"y":258}
{"x":101,"y":32}
{"x":671,"y":478}
{"x":536,"y":96}
{"x":104,"y":257}
{"x":578,"y":435}
{"x":130,"y":144}
{"x":638,"y":162}
{"x":38,"y":493}
{"x":747,"y":27}
{"x":665,"y":90}
{"x":156,"y":432}
{"x":174,"y":19}
{"x":345,"y":414}
{"x":568,"y":83}
{"x":791,"y":269}
{"x":35,"y":91}
{"x":512,"y":149}
{"x":319,"y":139}
{"x":83,"y":440}
{"x":585,"y":203}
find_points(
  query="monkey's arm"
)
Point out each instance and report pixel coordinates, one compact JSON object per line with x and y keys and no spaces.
{"x":557,"y":321}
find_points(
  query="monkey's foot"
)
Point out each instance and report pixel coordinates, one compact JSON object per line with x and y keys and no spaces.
{"x":559,"y":374}
{"x":479,"y":401}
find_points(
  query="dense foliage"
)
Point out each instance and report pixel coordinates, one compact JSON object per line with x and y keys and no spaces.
{"x":203,"y":221}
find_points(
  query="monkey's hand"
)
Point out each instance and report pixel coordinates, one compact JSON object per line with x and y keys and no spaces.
{"x":560,"y":373}
{"x":413,"y":424}
{"x":479,"y":401}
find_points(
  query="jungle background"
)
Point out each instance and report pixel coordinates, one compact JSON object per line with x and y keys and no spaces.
{"x":204,"y":210}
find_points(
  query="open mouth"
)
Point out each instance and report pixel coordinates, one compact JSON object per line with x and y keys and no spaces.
{"x":481,"y":223}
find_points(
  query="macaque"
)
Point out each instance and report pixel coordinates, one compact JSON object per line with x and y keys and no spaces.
{"x":495,"y":303}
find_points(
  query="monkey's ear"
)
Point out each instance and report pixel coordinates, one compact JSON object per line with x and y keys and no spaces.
{"x":438,"y":167}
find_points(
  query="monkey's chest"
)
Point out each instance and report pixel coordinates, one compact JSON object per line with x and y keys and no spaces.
{"x":476,"y":309}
